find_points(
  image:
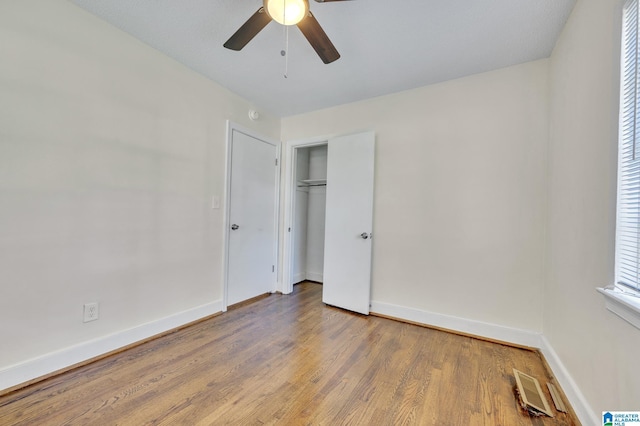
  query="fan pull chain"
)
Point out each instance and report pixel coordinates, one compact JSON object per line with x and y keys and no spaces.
{"x":286,"y":40}
{"x":285,"y":51}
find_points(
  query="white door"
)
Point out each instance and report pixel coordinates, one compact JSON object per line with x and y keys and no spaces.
{"x":252,"y":218}
{"x":349,"y":222}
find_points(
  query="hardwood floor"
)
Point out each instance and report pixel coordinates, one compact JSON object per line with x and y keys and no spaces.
{"x":291,"y":360}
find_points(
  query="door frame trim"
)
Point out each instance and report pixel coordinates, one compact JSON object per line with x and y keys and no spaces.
{"x":231,"y":127}
{"x":286,"y":286}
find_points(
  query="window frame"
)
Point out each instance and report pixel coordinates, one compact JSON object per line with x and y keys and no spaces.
{"x":627,"y":267}
{"x":623,"y":296}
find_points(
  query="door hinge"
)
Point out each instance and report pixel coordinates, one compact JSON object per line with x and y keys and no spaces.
{"x":273,"y":268}
{"x":276,"y":161}
{"x":289,"y":229}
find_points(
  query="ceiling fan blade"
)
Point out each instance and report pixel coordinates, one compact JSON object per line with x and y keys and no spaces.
{"x":248,"y":30}
{"x":325,"y":1}
{"x":318,"y":39}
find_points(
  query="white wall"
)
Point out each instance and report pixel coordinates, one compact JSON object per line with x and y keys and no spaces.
{"x":598,"y":350}
{"x":110,"y":154}
{"x":460,"y":193}
{"x":316,"y":212}
{"x":301,"y":217}
{"x":318,"y":162}
{"x":310,"y":206}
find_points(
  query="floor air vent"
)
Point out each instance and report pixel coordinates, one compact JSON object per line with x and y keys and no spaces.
{"x":531,"y":393}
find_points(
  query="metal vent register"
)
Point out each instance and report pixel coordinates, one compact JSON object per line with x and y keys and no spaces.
{"x":531,"y":393}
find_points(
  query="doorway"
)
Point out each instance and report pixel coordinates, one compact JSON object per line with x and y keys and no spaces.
{"x":348,"y":218}
{"x":309,"y":203}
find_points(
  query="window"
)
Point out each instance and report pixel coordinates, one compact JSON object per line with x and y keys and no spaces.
{"x":628,"y":222}
{"x":623,"y":298}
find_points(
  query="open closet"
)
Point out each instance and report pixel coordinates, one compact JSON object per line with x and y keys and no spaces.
{"x":328,"y":217}
{"x":309,"y":213}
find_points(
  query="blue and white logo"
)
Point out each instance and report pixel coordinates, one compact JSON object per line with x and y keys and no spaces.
{"x":620,"y":418}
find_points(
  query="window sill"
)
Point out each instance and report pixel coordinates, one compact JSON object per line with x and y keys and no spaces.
{"x":625,"y":306}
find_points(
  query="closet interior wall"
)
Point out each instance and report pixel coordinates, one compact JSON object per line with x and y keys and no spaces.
{"x":310,"y":205}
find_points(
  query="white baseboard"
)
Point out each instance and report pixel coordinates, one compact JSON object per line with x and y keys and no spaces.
{"x":28,"y":370}
{"x":300,"y":276}
{"x":315,"y":276}
{"x":585,"y":413}
{"x":462,"y":325}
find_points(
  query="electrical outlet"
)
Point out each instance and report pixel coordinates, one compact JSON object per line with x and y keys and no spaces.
{"x":90,"y":312}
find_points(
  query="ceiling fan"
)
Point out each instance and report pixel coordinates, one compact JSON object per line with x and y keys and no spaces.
{"x":287,"y":12}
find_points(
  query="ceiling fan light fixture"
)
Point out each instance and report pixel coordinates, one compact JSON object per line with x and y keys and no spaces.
{"x":287,"y":12}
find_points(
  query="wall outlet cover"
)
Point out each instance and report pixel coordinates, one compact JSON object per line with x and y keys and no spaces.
{"x":91,"y":312}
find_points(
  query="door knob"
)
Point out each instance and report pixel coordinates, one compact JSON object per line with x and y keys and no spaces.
{"x":364,"y":235}
{"x":234,"y":227}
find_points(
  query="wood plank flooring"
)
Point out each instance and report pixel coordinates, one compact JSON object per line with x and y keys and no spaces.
{"x":291,"y":360}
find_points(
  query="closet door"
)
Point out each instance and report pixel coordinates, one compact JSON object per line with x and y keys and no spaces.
{"x":349,"y":222}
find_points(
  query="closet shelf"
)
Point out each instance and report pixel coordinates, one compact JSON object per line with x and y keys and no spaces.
{"x":312,"y":182}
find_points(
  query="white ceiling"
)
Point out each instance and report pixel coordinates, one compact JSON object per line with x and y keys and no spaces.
{"x":386,"y":45}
